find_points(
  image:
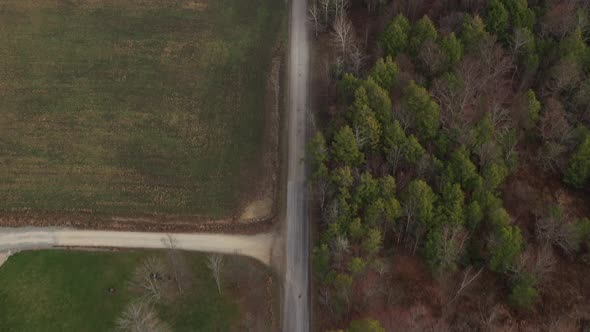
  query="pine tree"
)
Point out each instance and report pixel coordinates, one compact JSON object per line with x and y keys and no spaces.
{"x":578,"y":171}
{"x":422,"y":31}
{"x":345,"y":148}
{"x":497,"y":18}
{"x":424,"y":111}
{"x":452,"y":49}
{"x":394,"y":39}
{"x":473,"y":32}
{"x":385,"y":73}
{"x":505,"y":248}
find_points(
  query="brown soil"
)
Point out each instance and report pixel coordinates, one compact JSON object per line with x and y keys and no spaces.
{"x":139,"y":223}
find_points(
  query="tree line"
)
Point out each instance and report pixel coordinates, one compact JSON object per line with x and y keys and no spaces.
{"x":417,"y":157}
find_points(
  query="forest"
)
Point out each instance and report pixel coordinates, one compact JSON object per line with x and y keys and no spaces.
{"x":450,"y":168}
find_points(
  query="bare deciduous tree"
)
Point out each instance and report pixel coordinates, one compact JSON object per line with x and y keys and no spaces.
{"x":394,"y":157}
{"x":489,"y":313}
{"x":553,"y":229}
{"x":340,"y":7}
{"x":140,"y":317}
{"x":431,"y":57}
{"x":564,"y":75}
{"x":372,"y":5}
{"x":325,"y":8}
{"x":499,"y":116}
{"x":550,"y":157}
{"x":215,"y":264}
{"x":149,"y":278}
{"x":518,"y":41}
{"x":343,"y":34}
{"x":539,"y":263}
{"x":314,"y":17}
{"x":554,"y":126}
{"x":340,"y":247}
{"x":487,"y":153}
{"x":356,"y":57}
{"x":468,"y":277}
{"x":559,"y":20}
{"x":178,"y":264}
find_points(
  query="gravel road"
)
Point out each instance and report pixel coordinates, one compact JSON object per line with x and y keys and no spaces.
{"x":15,"y":239}
{"x":296,"y":313}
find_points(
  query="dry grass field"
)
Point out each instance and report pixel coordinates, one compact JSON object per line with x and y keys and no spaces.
{"x":133,"y":107}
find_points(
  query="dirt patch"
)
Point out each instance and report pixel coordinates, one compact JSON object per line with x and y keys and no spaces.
{"x":4,"y":257}
{"x":195,"y":5}
{"x":147,"y":223}
{"x":258,"y":209}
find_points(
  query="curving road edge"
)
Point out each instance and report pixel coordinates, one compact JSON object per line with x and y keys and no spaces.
{"x":258,"y":246}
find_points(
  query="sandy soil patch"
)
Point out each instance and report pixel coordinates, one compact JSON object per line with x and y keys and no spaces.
{"x":4,"y":256}
{"x":195,"y":5}
{"x":258,"y":209}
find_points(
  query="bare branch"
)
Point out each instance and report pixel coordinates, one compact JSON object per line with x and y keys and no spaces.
{"x":343,"y":34}
{"x":467,"y":280}
{"x":140,"y":317}
{"x":215,"y":264}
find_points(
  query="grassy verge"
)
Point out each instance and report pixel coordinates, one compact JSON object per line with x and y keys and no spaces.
{"x":69,"y":291}
{"x":131,"y":107}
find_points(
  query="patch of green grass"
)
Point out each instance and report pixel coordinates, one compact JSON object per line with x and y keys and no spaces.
{"x":68,"y":291}
{"x":130,"y":107}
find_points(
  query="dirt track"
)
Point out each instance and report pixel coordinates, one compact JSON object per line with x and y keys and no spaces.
{"x":257,"y":246}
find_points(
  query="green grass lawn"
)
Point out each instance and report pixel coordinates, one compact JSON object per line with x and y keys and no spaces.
{"x":68,"y":291}
{"x":126,"y":107}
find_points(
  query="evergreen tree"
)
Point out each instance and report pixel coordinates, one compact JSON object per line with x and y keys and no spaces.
{"x":355,"y":229}
{"x":424,"y":111}
{"x":394,"y":39}
{"x":321,"y":260}
{"x":474,"y":215}
{"x":452,"y":49}
{"x":356,"y":266}
{"x":365,"y":325}
{"x":379,"y":102}
{"x":342,"y":178}
{"x":442,"y":251}
{"x":496,"y":18}
{"x":527,"y":51}
{"x":505,"y":248}
{"x":574,"y":47}
{"x":523,"y":294}
{"x":578,"y":171}
{"x":319,"y":157}
{"x":366,"y":126}
{"x":422,"y":31}
{"x":473,"y":32}
{"x":347,"y":87}
{"x":345,"y":148}
{"x":461,"y":169}
{"x":450,"y":207}
{"x":533,"y":106}
{"x":367,"y":190}
{"x":385,"y":73}
{"x":494,"y":176}
{"x":521,"y":15}
{"x":372,"y":241}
